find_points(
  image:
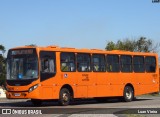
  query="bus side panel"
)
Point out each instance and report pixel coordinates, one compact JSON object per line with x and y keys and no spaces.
{"x":117,"y":81}
{"x":106,"y":85}
{"x":46,"y":89}
{"x":146,"y":83}
{"x":76,"y":81}
{"x":49,"y":89}
{"x":92,"y":83}
{"x":136,"y":81}
{"x":82,"y":82}
{"x":101,"y":84}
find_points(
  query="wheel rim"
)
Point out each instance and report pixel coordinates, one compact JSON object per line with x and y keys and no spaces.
{"x":128,"y":94}
{"x":65,"y":97}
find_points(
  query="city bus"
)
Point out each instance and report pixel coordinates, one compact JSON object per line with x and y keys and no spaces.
{"x":64,"y":74}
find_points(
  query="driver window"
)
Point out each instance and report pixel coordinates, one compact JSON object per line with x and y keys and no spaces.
{"x":48,"y":68}
{"x":47,"y":65}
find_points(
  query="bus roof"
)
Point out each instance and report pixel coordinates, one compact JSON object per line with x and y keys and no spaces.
{"x":84,"y":50}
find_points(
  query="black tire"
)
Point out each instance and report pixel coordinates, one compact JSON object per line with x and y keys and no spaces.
{"x":64,"y":97}
{"x":36,"y":102}
{"x":128,"y":94}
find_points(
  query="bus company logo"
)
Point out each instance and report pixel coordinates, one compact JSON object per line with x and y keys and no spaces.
{"x":6,"y":111}
{"x":65,"y":75}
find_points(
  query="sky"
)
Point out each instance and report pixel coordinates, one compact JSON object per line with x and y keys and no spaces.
{"x":77,"y":23}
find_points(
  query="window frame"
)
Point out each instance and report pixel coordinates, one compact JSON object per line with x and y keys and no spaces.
{"x":47,"y":75}
{"x":140,"y":56}
{"x":126,"y":63}
{"x":113,"y":63}
{"x":99,"y":56}
{"x":154,"y":66}
{"x":74,"y":61}
{"x":88,"y":66}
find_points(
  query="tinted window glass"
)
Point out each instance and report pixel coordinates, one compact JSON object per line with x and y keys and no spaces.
{"x":112,"y":63}
{"x":138,"y":64}
{"x":126,"y":63}
{"x":98,"y":63}
{"x":83,"y":62}
{"x":150,"y":64}
{"x":48,"y":66}
{"x":22,"y":64}
{"x":67,"y":62}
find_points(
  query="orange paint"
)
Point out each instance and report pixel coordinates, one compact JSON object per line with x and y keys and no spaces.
{"x":89,"y":83}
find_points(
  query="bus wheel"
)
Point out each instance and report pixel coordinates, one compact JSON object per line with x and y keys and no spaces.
{"x":64,"y":97}
{"x":128,"y":94}
{"x":36,"y":102}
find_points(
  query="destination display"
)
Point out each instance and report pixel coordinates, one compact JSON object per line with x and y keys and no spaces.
{"x":19,"y":52}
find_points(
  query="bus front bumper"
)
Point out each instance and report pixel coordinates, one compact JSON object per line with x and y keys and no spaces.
{"x":16,"y":95}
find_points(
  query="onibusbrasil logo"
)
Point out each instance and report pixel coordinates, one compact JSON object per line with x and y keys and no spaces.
{"x":21,"y":111}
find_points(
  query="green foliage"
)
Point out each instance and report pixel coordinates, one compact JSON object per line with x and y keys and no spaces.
{"x":2,"y":66}
{"x":2,"y":47}
{"x":144,"y":45}
{"x":33,"y":45}
{"x":2,"y":79}
{"x":111,"y":46}
{"x":140,"y":45}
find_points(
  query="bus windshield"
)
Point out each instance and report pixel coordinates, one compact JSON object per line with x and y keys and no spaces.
{"x":22,"y":64}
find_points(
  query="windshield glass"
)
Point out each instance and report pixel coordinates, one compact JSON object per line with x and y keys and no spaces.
{"x":22,"y":64}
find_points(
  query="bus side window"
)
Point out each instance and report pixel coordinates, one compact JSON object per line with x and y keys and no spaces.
{"x":47,"y":65}
{"x":67,"y":62}
{"x":112,"y":63}
{"x":83,"y":62}
{"x":110,"y":67}
{"x":51,"y":66}
{"x":48,"y":68}
{"x":138,"y":64}
{"x":150,"y":64}
{"x":98,"y":61}
{"x":126,"y":63}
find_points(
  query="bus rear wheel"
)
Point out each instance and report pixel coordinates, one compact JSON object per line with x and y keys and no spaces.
{"x":64,"y":97}
{"x":128,"y":94}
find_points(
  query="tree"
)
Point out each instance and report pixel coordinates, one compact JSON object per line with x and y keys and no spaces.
{"x":2,"y":47}
{"x":144,"y":45}
{"x":33,"y":45}
{"x":2,"y":66}
{"x":134,"y":45}
{"x":111,"y":46}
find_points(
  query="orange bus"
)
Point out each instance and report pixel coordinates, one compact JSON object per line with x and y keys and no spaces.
{"x":46,"y":73}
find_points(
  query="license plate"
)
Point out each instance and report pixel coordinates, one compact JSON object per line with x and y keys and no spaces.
{"x":17,"y":94}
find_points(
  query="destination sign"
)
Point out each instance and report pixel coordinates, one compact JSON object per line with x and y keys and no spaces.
{"x":19,"y":52}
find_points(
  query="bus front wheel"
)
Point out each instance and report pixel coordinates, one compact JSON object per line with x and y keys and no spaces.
{"x":64,"y":97}
{"x":128,"y":94}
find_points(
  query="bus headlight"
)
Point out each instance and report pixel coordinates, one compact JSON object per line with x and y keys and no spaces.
{"x":32,"y":88}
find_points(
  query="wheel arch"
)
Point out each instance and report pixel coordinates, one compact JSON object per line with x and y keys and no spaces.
{"x":69,"y":87}
{"x":129,"y":84}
